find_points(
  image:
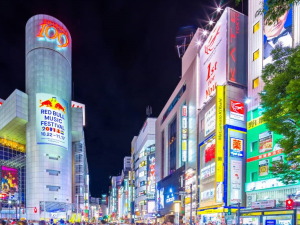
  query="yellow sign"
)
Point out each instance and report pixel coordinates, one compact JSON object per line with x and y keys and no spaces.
{"x":252,"y":214}
{"x":255,"y":123}
{"x":219,"y":210}
{"x":187,"y":200}
{"x":279,"y":212}
{"x":220,"y":116}
{"x":11,"y":144}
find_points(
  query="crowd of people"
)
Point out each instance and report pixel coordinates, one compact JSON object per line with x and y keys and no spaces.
{"x":42,"y":222}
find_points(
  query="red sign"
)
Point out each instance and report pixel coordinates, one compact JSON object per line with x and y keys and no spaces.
{"x":276,"y":152}
{"x":52,"y":31}
{"x":289,"y":203}
{"x":237,"y":107}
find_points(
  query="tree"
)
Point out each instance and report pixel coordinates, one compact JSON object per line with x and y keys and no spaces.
{"x":274,"y":8}
{"x":281,"y":104}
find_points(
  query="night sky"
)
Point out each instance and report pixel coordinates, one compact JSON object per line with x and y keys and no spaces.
{"x":123,"y":59}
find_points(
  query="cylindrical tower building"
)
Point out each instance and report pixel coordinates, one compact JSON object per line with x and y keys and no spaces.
{"x":48,"y":131}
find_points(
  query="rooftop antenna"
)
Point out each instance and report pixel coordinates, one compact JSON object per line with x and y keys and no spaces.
{"x":148,"y":111}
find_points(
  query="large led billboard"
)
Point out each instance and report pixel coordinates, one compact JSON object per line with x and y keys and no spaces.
{"x":277,"y":33}
{"x":9,"y":183}
{"x":51,"y":119}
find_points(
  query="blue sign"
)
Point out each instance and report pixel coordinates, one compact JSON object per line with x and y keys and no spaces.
{"x":270,"y":222}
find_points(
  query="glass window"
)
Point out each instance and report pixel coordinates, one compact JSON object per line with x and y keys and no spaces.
{"x":256,"y":55}
{"x":256,"y":27}
{"x":255,"y":83}
{"x":254,"y":146}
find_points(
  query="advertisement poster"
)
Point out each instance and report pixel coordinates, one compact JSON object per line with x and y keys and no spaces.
{"x":277,"y":33}
{"x":213,"y":60}
{"x":52,"y":120}
{"x":9,"y":182}
{"x":265,"y":141}
{"x":236,"y":181}
{"x":236,"y":147}
{"x":210,"y":151}
{"x":151,"y":175}
{"x":237,"y":110}
{"x":264,"y":167}
{"x":210,"y":120}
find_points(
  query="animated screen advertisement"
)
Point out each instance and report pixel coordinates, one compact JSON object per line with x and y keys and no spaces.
{"x":52,"y":120}
{"x":9,"y":182}
{"x":277,"y":33}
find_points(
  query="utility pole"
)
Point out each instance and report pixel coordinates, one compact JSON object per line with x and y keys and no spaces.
{"x":238,"y":213}
{"x":191,"y":207}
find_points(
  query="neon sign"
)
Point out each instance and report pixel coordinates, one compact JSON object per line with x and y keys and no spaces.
{"x":51,"y":31}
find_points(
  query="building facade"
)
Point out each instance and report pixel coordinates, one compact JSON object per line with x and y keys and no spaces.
{"x":264,"y":192}
{"x":39,"y":125}
{"x":143,"y":161}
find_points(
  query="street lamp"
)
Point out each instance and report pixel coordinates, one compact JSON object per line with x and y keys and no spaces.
{"x":177,"y":210}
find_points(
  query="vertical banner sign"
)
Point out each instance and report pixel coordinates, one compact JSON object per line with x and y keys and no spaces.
{"x":184,"y":133}
{"x":52,"y":120}
{"x":236,"y":181}
{"x":213,"y":60}
{"x":220,"y":133}
{"x":237,"y":48}
{"x":210,"y":120}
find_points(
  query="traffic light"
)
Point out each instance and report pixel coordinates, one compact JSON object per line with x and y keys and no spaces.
{"x":289,"y":203}
{"x":35,"y":210}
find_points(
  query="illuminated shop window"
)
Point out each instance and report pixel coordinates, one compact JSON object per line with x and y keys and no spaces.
{"x":255,"y":83}
{"x":256,"y":27}
{"x":254,"y":146}
{"x":256,"y":55}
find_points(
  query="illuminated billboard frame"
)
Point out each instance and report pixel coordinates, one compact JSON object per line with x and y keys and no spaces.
{"x":9,"y":183}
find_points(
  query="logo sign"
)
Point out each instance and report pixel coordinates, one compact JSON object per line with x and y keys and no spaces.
{"x":263,"y":204}
{"x":237,"y":110}
{"x":236,"y":147}
{"x":213,"y":61}
{"x":51,"y":31}
{"x":52,"y":123}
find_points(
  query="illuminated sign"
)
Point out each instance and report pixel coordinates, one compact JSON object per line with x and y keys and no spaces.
{"x":184,"y":132}
{"x":265,"y":141}
{"x":237,"y":110}
{"x":51,"y":31}
{"x":220,"y":105}
{"x":255,"y":122}
{"x":210,"y":120}
{"x":213,"y":61}
{"x":236,"y":147}
{"x":52,"y":120}
{"x":236,"y":181}
{"x":170,"y":196}
{"x":9,"y":183}
{"x":264,"y":204}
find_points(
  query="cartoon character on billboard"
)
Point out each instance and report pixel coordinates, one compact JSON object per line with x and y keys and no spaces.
{"x":277,"y":33}
{"x":9,"y":181}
